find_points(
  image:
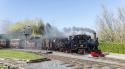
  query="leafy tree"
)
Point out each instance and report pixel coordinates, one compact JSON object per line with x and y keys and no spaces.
{"x":36,"y":27}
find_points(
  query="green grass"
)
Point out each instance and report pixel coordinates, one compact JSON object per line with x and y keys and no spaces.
{"x":2,"y":66}
{"x":112,"y":47}
{"x":8,"y":53}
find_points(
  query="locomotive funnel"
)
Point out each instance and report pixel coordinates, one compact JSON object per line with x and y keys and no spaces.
{"x":94,"y":36}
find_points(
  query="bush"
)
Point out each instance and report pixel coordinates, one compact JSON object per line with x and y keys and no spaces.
{"x":112,"y":47}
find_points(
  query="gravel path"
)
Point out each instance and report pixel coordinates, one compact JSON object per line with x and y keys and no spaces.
{"x":75,"y":61}
{"x":85,"y":64}
{"x":87,"y":57}
{"x":54,"y":64}
{"x":12,"y":63}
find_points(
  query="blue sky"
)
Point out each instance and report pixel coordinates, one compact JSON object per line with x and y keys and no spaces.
{"x":60,"y":13}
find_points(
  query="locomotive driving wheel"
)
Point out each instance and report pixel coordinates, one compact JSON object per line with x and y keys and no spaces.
{"x":81,"y":51}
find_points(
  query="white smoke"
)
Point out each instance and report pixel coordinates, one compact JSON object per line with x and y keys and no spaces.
{"x":52,"y":32}
{"x":77,"y":30}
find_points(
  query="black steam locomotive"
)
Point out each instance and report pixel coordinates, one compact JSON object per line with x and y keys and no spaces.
{"x":81,"y":44}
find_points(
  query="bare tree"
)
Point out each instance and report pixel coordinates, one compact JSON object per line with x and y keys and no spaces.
{"x":121,"y":24}
{"x":111,"y":27}
{"x":106,"y":25}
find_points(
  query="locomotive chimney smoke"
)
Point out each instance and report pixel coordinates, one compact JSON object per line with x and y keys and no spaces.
{"x":75,"y":29}
{"x":52,"y":32}
{"x":78,"y":30}
{"x":88,"y":30}
{"x":67,"y":30}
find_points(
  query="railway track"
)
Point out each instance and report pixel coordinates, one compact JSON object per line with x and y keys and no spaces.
{"x":97,"y":59}
{"x":84,"y":60}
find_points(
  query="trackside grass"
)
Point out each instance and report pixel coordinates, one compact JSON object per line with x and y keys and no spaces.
{"x":112,"y":47}
{"x":8,"y":53}
{"x":2,"y":66}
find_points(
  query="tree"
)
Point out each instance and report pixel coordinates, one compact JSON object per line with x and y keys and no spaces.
{"x":36,"y":25}
{"x":110,"y":26}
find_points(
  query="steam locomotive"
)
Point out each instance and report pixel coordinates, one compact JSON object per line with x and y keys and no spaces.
{"x":81,"y":44}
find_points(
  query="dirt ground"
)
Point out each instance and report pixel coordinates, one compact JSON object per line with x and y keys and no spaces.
{"x":83,"y":64}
